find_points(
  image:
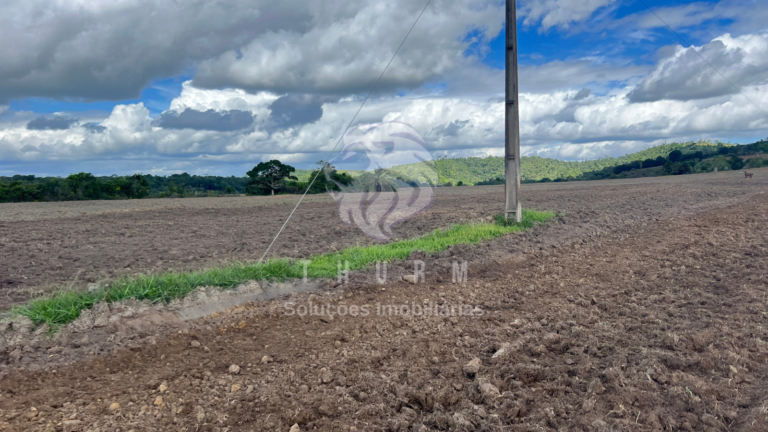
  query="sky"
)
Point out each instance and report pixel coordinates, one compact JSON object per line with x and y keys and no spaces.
{"x":213,"y":88}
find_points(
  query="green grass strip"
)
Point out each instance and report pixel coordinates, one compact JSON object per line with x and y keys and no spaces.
{"x":63,"y":307}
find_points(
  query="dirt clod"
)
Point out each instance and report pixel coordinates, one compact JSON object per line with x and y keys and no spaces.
{"x":326,"y":376}
{"x":489,"y":390}
{"x":473,"y":367}
{"x":71,"y":425}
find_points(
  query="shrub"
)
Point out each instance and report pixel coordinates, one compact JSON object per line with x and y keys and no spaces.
{"x":675,"y":155}
{"x":736,"y":163}
{"x":497,"y":181}
{"x":677,"y":168}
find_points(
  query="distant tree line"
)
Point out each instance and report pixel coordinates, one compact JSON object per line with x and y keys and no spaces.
{"x":274,"y":177}
{"x":86,"y":186}
{"x":494,"y":181}
{"x":81,"y":186}
{"x":185,"y":185}
{"x":267,"y":178}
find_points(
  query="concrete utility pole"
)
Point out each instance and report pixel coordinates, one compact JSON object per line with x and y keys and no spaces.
{"x":513,"y":209}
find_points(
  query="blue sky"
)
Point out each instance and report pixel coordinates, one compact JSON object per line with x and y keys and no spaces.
{"x":157,"y":96}
{"x":153,"y":87}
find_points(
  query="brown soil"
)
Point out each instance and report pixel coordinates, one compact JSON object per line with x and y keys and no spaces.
{"x":111,"y":238}
{"x":48,"y":246}
{"x":643,"y":308}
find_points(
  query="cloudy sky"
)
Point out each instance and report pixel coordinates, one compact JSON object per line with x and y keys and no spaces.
{"x":214,"y":87}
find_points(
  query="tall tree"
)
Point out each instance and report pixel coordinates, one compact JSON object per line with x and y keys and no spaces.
{"x":268,"y":176}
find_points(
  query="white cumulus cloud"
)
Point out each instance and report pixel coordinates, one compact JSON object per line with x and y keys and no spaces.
{"x":347,"y":54}
{"x":723,"y":66}
{"x":568,"y":124}
{"x":559,"y":13}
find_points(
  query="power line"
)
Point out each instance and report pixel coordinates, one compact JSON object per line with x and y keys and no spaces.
{"x":346,"y":129}
{"x":685,"y":43}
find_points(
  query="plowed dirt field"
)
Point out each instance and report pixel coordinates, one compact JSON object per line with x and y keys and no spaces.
{"x":643,"y":307}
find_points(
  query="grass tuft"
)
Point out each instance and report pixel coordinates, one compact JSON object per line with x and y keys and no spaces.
{"x":65,"y":306}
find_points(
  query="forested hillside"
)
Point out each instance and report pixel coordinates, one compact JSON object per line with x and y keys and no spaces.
{"x":470,"y":171}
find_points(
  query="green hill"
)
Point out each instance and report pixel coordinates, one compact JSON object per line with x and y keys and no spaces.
{"x":490,"y":170}
{"x":535,"y":168}
{"x":688,"y":158}
{"x":475,"y":170}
